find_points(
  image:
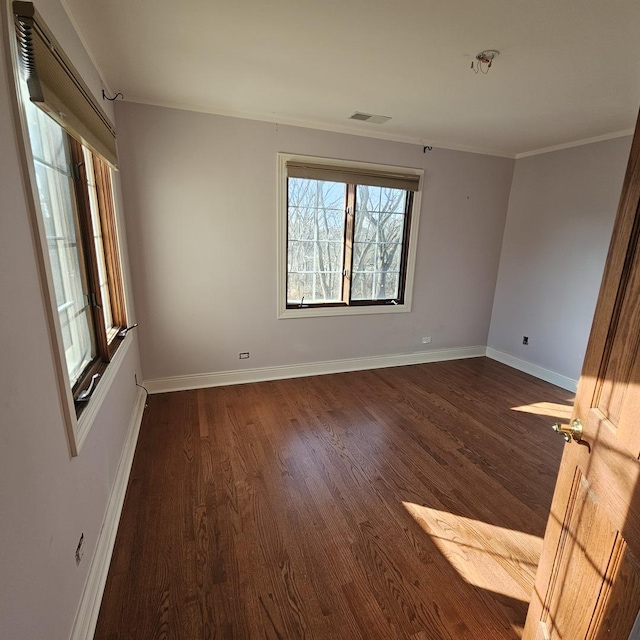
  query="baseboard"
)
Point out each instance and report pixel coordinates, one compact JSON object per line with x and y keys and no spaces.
{"x":533,"y":369}
{"x":223,"y":378}
{"x":87,"y":615}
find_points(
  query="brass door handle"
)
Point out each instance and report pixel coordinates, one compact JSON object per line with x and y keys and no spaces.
{"x":568,"y":431}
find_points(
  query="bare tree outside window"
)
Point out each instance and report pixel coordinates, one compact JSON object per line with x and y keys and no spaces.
{"x":378,"y":242}
{"x":315,"y":240}
{"x":318,"y":232}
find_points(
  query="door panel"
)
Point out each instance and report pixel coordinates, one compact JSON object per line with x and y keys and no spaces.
{"x":619,"y":611}
{"x":587,"y":544}
{"x":588,"y":580}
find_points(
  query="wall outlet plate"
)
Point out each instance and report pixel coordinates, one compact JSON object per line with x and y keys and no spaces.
{"x":525,"y":339}
{"x":426,"y":340}
{"x":244,"y":355}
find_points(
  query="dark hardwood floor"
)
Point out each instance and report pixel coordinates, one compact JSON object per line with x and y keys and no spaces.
{"x":403,"y":503}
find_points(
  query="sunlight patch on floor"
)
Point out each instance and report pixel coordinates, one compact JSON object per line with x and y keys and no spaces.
{"x":494,"y":558}
{"x":551,"y":409}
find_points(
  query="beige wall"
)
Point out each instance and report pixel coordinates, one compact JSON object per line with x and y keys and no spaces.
{"x":200,"y":191}
{"x":561,"y":212}
{"x":47,"y":499}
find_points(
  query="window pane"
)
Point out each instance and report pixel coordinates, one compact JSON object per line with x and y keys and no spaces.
{"x":331,"y":224}
{"x":299,"y":286}
{"x":386,"y":286}
{"x":366,"y":225}
{"x":362,"y":286}
{"x":328,"y":286}
{"x":378,"y":243}
{"x":328,"y":256}
{"x":301,"y":223}
{"x":369,"y":197}
{"x":54,"y":182}
{"x":301,"y":257}
{"x":389,"y":257}
{"x":392,"y":200}
{"x":364,"y":257}
{"x":391,"y":227}
{"x":316,"y":220}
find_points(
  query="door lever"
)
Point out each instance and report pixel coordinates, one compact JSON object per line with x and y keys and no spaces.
{"x":568,"y":431}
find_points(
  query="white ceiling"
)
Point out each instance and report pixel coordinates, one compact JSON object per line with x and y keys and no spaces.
{"x":568,"y":70}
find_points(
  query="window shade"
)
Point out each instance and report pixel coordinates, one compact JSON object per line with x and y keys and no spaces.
{"x":353,"y":175}
{"x":57,"y":88}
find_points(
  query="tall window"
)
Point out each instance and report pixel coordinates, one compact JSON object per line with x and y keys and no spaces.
{"x":76,"y":204}
{"x":52,"y":160}
{"x":70,"y":150}
{"x":348,"y":234}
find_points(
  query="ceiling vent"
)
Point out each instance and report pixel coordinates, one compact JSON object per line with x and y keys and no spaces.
{"x":368,"y":117}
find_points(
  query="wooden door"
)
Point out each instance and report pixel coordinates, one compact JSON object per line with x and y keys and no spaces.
{"x":588,"y":580}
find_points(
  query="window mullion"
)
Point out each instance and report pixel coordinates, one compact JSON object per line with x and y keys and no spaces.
{"x":89,"y":249}
{"x":347,"y":263}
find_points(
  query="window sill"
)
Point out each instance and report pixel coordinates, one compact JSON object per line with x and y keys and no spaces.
{"x":321,"y":312}
{"x":87,"y":417}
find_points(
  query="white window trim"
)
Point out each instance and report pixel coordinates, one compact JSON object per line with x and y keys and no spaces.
{"x":77,"y":428}
{"x":82,"y":425}
{"x":314,"y":312}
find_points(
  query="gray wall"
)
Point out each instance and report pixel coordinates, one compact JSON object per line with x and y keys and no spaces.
{"x":200,"y":191}
{"x":561,"y":212}
{"x":47,"y":499}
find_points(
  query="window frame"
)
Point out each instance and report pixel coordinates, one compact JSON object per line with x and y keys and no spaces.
{"x":77,"y":420}
{"x":106,"y":344}
{"x":353,"y":307}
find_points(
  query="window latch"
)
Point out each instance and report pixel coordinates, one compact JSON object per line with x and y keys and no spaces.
{"x":345,"y":273}
{"x":75,"y":170}
{"x":123,"y":332}
{"x":86,"y":394}
{"x":93,"y":301}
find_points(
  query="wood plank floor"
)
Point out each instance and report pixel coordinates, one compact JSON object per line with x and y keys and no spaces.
{"x":403,"y":503}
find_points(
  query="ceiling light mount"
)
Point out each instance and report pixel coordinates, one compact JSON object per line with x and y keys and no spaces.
{"x":484,"y":60}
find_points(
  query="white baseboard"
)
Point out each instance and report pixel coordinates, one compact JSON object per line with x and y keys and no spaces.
{"x":87,"y":616}
{"x":533,"y":369}
{"x":223,"y":378}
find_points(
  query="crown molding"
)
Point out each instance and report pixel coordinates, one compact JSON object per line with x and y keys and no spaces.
{"x":320,"y":126}
{"x":576,"y":143}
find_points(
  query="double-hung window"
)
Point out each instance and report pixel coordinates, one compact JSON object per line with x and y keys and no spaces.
{"x":70,"y":155}
{"x":348,"y":236}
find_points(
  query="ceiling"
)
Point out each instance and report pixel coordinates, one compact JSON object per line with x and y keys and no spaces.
{"x":568,"y":70}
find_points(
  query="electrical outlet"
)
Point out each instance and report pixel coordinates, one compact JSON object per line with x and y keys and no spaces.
{"x":244,"y":355}
{"x":80,"y":549}
{"x":525,"y":339}
{"x":426,"y":340}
